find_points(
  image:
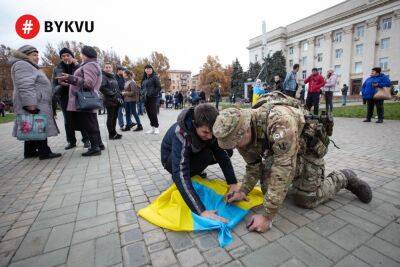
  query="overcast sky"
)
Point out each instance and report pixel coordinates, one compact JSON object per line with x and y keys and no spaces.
{"x":185,"y":31}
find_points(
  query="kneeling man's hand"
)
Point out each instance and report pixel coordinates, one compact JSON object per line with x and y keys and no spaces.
{"x":233,"y":188}
{"x":259,"y":223}
{"x":212,"y":214}
{"x":235,"y":196}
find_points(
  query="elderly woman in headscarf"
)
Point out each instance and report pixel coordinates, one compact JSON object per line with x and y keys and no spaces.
{"x":32,"y":95}
{"x":257,"y":91}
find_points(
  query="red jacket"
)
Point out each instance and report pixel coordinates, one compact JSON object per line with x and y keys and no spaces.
{"x":315,"y":83}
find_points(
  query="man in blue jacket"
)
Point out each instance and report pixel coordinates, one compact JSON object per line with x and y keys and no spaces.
{"x":188,"y":148}
{"x":376,"y":81}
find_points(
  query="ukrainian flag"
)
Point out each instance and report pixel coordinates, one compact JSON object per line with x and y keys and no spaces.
{"x":170,"y":211}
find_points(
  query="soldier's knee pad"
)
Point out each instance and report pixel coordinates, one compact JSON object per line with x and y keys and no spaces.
{"x":306,"y":200}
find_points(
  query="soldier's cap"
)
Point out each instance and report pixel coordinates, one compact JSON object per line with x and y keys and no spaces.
{"x":230,"y":126}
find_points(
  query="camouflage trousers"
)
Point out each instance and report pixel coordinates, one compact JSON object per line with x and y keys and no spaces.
{"x":310,"y":185}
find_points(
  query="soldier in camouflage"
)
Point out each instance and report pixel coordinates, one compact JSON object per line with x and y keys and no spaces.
{"x":281,"y":148}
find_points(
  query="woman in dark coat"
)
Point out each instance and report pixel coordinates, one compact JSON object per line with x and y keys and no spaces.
{"x":151,"y":87}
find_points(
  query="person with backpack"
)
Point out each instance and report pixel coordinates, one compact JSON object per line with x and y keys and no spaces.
{"x":283,"y":145}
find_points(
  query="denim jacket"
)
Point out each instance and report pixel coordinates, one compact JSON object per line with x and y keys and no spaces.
{"x":290,"y":83}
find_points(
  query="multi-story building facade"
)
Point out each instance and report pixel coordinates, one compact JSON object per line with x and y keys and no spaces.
{"x":350,"y":38}
{"x":180,"y":80}
{"x":195,"y":82}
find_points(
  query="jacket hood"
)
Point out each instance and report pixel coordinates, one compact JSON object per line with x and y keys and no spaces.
{"x":185,"y":120}
{"x":17,"y":56}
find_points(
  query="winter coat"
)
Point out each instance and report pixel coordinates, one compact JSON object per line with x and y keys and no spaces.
{"x":151,"y":86}
{"x":31,"y":88}
{"x":121,"y":82}
{"x":132,"y":91}
{"x":345,"y":89}
{"x":179,"y":143}
{"x":368,"y":90}
{"x":87,"y":75}
{"x":315,"y":83}
{"x":110,"y":90}
{"x":62,"y":91}
{"x":330,"y":83}
{"x":217,"y":95}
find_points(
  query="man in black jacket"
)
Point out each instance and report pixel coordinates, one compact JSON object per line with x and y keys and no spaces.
{"x":188,"y":148}
{"x":119,"y":76}
{"x":67,"y":65}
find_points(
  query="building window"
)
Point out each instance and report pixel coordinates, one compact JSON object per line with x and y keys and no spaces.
{"x":290,"y":63}
{"x":387,"y":24}
{"x":338,"y":70}
{"x":383,"y":63}
{"x":360,"y":31}
{"x":304,"y":74}
{"x":338,"y":53}
{"x":319,"y":70}
{"x":338,"y":37}
{"x":291,"y":50}
{"x":359,"y":49}
{"x":385,"y":43}
{"x":319,"y":57}
{"x":305,"y":46}
{"x":256,"y":58}
{"x":318,"y":41}
{"x":358,"y":67}
{"x":304,"y":61}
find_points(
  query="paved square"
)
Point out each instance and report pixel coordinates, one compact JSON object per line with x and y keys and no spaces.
{"x":75,"y":211}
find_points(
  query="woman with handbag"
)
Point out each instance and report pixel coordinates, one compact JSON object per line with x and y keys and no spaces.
{"x":373,"y":91}
{"x":86,"y":80}
{"x":32,"y":95}
{"x":112,"y":100}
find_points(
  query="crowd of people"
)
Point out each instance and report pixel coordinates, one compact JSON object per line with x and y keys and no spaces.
{"x":34,"y":93}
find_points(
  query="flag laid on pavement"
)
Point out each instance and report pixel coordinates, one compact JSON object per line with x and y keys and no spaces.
{"x":170,"y":211}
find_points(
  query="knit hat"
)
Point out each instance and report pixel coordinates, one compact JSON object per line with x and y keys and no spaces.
{"x":230,"y":126}
{"x":27,"y":49}
{"x":89,"y":51}
{"x":66,"y":50}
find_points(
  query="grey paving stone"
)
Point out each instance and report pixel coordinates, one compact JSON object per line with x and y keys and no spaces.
{"x":15,"y":232}
{"x":303,"y":252}
{"x":350,"y":237}
{"x":273,"y":234}
{"x":154,"y":236}
{"x":131,"y":236}
{"x":82,"y":254}
{"x":352,"y":261}
{"x":366,"y":215}
{"x":217,"y":257}
{"x":50,"y":222}
{"x":5,"y":258}
{"x":94,"y":232}
{"x":391,"y":233}
{"x":206,"y":242}
{"x":190,"y":257}
{"x":158,"y":246}
{"x":384,"y":247}
{"x":240,"y":251}
{"x":126,"y":217}
{"x":105,"y":206}
{"x":254,"y":240}
{"x":179,"y":240}
{"x":87,"y":210}
{"x":95,"y":221}
{"x":135,"y":254}
{"x":10,"y":245}
{"x":285,"y":225}
{"x":357,"y":221}
{"x":33,"y":244}
{"x":273,"y":254}
{"x":320,"y":243}
{"x":108,"y":250}
{"x":373,"y":257}
{"x":163,"y":258}
{"x":60,"y":237}
{"x":236,"y":242}
{"x":53,"y":258}
{"x":234,"y":263}
{"x":326,"y":225}
{"x":292,"y":263}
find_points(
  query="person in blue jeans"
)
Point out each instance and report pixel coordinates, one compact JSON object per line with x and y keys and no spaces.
{"x":131,"y":95}
{"x":121,"y":84}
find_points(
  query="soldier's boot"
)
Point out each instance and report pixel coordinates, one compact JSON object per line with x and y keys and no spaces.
{"x":357,"y":186}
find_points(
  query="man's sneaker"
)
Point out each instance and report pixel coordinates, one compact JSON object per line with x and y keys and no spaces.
{"x":151,"y":131}
{"x":357,"y":186}
{"x":69,"y":146}
{"x":138,"y":128}
{"x":51,"y":155}
{"x":379,"y":121}
{"x":92,"y":152}
{"x":156,"y":130}
{"x":115,"y":137}
{"x":86,"y":144}
{"x":367,"y":120}
{"x":102,"y":146}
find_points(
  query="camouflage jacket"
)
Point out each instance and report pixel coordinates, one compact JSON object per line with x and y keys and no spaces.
{"x":276,"y":137}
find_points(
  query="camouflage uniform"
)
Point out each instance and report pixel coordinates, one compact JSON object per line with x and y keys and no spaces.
{"x":280,"y":153}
